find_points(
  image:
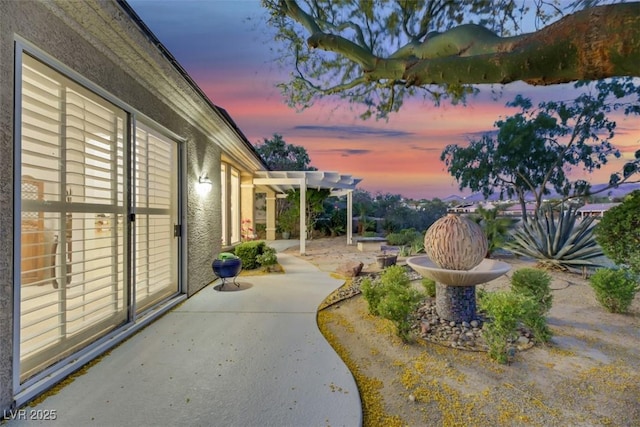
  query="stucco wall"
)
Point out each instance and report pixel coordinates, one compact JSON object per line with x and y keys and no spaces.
{"x":42,"y":26}
{"x":203,"y":215}
{"x":6,"y":203}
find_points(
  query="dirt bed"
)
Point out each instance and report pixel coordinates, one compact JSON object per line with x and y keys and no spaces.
{"x":589,"y":375}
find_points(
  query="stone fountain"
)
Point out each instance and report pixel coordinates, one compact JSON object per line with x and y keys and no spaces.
{"x":456,"y":248}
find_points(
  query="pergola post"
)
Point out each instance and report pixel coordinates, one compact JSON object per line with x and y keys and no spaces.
{"x":271,"y":215}
{"x":303,"y":216}
{"x":350,"y":218}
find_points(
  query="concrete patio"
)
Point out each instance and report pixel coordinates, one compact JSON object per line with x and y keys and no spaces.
{"x":247,"y":356}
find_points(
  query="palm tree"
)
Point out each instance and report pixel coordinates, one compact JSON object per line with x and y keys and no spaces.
{"x":495,"y":226}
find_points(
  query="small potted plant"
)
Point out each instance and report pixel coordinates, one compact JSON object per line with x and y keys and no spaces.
{"x":287,"y":222}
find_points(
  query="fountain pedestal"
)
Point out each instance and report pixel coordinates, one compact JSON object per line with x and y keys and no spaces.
{"x":456,"y":289}
{"x":456,"y":303}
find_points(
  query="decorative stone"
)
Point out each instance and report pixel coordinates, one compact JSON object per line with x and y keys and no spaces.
{"x":455,"y":242}
{"x":456,"y":303}
{"x":350,"y":269}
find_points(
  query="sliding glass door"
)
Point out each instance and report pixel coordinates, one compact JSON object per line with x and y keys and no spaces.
{"x":98,"y":209}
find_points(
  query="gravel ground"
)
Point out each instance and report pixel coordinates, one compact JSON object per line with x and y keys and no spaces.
{"x":589,"y":375}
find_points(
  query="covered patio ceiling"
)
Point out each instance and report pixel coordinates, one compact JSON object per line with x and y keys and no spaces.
{"x":285,"y":181}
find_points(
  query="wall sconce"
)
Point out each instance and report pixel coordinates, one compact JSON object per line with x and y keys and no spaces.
{"x":204,"y":185}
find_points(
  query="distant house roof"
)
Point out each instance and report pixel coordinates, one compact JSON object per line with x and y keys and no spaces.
{"x":517,"y":208}
{"x":597,"y":207}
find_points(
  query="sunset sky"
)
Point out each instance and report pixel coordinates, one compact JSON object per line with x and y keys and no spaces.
{"x":226,"y":47}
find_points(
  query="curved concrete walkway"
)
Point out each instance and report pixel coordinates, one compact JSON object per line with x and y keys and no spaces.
{"x":247,"y":357}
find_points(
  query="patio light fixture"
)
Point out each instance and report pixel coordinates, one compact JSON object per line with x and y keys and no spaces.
{"x":204,"y":185}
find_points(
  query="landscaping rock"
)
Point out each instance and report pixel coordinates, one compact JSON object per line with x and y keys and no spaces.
{"x":350,"y":269}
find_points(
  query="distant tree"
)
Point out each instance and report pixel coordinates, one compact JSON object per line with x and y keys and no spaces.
{"x":431,"y":211}
{"x":281,"y":156}
{"x":363,"y":198}
{"x":386,"y":203}
{"x":534,"y":150}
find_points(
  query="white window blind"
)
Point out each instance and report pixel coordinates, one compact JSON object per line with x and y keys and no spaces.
{"x":156,"y":256}
{"x":72,"y":209}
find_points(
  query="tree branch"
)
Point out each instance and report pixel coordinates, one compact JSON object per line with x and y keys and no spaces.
{"x":592,"y":44}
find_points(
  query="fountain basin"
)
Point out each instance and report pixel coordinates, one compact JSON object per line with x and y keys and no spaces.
{"x":484,"y":272}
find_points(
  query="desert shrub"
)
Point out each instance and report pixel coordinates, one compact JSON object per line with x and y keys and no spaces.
{"x":406,"y":237}
{"x":374,"y":290}
{"x":372,"y":293}
{"x":405,"y":251}
{"x":417,"y":246}
{"x":614,"y":289}
{"x":396,"y":239}
{"x":618,"y":232}
{"x":369,"y":234}
{"x":557,"y":242}
{"x":535,"y":284}
{"x":392,"y":297}
{"x":506,"y":311}
{"x":267,"y":258}
{"x":248,"y":252}
{"x":429,"y":286}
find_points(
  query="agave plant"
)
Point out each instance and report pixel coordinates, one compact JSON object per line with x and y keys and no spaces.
{"x":557,"y":243}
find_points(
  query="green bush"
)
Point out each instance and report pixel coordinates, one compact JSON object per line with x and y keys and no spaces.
{"x":506,"y":310}
{"x":392,"y":297}
{"x":396,"y":239}
{"x":618,"y":232}
{"x":372,"y":293}
{"x":406,"y":237}
{"x":429,"y":286}
{"x":614,"y":289}
{"x":248,"y":252}
{"x":535,"y":284}
{"x":267,"y":258}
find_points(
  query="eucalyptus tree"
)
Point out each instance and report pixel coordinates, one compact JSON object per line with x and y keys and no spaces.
{"x":377,"y":53}
{"x":282,"y":156}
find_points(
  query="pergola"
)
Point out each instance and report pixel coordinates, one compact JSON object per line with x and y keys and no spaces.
{"x":285,"y":181}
